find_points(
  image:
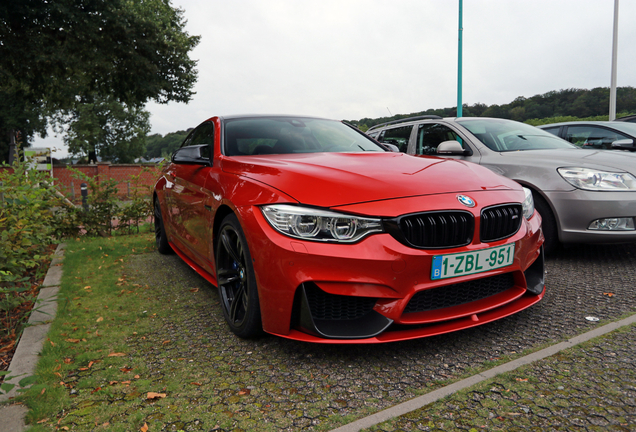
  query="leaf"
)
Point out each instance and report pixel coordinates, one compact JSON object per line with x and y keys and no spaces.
{"x":116,"y":354}
{"x":6,"y":388}
{"x":72,"y":340}
{"x":194,"y":290}
{"x":68,"y":360}
{"x":196,"y":383}
{"x":153,"y":395}
{"x":244,"y":392}
{"x":522,"y":379}
{"x":166,"y":342}
{"x":24,"y":382}
{"x":144,"y":428}
{"x":100,"y":319}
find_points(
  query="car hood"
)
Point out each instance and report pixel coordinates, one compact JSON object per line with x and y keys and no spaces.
{"x":596,"y":159}
{"x":335,"y":179}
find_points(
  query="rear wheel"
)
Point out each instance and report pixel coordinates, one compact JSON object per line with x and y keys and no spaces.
{"x":549,"y":224}
{"x":160,"y":231}
{"x":236,"y":280}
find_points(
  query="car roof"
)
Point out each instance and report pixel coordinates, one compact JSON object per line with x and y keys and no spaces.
{"x":626,"y":127}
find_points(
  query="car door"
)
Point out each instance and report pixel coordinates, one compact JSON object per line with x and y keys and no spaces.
{"x":398,"y":136}
{"x":190,"y":219}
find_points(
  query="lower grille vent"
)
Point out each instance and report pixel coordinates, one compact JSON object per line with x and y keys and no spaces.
{"x":457,"y":294}
{"x":325,"y":306}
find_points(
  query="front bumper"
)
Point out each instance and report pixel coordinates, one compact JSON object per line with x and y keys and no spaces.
{"x":378,"y":278}
{"x":578,"y":208}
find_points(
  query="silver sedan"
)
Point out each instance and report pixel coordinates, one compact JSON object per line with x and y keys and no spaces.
{"x":583,"y":196}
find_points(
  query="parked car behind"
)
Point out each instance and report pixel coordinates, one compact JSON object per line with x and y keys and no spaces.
{"x":608,"y":135}
{"x":313,"y":231}
{"x":583,"y":196}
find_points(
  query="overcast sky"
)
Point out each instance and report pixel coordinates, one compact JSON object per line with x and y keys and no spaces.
{"x":350,"y":59}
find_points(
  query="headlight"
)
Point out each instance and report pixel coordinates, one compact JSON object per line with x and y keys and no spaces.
{"x":528,"y":204}
{"x":319,"y":225}
{"x":594,"y":180}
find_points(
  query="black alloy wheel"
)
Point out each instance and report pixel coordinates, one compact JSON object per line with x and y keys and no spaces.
{"x":236,"y":280}
{"x":160,"y":231}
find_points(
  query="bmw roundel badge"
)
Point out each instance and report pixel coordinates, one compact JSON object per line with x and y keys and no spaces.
{"x":467,"y":201}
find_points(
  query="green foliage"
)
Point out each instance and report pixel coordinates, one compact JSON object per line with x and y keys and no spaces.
{"x":548,"y":120}
{"x":140,"y":207}
{"x":53,"y":52}
{"x":105,"y":208}
{"x":106,"y":127}
{"x":576,"y":103}
{"x":164,"y":146}
{"x":26,"y":231}
{"x":26,"y":219}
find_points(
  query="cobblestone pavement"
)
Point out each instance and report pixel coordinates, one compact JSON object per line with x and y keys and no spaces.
{"x":588,"y":388}
{"x":300,"y":386}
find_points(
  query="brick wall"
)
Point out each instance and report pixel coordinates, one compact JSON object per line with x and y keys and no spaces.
{"x":70,"y":185}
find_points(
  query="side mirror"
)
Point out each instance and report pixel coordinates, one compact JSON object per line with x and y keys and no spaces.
{"x":391,"y":147}
{"x":197,"y":155}
{"x":450,"y":148}
{"x":624,"y":144}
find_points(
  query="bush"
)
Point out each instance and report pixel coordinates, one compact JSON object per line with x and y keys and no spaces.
{"x":26,"y":236}
{"x":105,"y":211}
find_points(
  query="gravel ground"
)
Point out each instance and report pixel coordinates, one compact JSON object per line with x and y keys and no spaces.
{"x":301,"y":386}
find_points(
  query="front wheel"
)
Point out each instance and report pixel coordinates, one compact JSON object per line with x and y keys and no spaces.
{"x":548,"y":224}
{"x":236,"y":280}
{"x":160,"y":231}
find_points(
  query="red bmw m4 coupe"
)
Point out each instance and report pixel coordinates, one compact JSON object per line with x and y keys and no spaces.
{"x":313,"y":231}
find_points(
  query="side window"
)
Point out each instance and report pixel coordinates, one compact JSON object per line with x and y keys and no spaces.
{"x":553,"y":130}
{"x":430,"y":135}
{"x":203,"y":134}
{"x":398,"y":136}
{"x":592,"y":136}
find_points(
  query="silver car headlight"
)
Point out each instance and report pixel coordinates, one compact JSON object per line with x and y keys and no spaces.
{"x":595,"y":180}
{"x":319,"y":225}
{"x":528,"y":204}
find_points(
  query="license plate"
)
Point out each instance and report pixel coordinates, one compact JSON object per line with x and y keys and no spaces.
{"x":467,"y":263}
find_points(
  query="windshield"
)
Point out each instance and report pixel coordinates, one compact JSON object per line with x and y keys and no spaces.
{"x":506,"y":135}
{"x":283,"y":135}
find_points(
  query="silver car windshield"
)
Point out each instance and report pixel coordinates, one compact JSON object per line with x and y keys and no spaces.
{"x":284,"y":135}
{"x":505,"y":135}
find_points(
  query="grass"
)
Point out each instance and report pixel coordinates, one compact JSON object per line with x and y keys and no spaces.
{"x":98,"y":310}
{"x":134,"y":347}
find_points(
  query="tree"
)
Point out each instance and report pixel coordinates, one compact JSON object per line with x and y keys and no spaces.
{"x":54,"y":53}
{"x":106,"y":127}
{"x":163,"y":146}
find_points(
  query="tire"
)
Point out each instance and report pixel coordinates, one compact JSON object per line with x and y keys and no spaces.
{"x":160,"y":232}
{"x":549,"y":224}
{"x":236,"y":280}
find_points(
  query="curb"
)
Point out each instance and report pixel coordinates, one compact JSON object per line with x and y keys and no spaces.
{"x":31,"y":342}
